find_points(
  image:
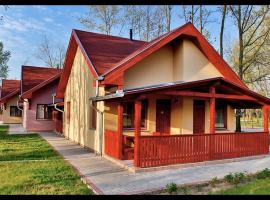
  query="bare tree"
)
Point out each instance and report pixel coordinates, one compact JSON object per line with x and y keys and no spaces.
{"x":52,"y":55}
{"x":167,"y":9}
{"x":223,"y":11}
{"x":101,"y":18}
{"x":200,"y":16}
{"x":253,"y":33}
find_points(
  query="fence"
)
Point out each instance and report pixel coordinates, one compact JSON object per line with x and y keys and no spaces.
{"x":175,"y":149}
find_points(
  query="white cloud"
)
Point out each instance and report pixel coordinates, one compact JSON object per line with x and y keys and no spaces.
{"x":22,"y":25}
{"x":48,"y":19}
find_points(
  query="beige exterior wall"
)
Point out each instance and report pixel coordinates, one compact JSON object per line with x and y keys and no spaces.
{"x":178,"y":62}
{"x":7,"y":119}
{"x":78,"y":91}
{"x":181,"y":116}
{"x":230,"y":119}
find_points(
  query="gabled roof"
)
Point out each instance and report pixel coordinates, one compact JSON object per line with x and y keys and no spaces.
{"x":105,"y":51}
{"x":28,"y":93}
{"x":104,"y":58}
{"x":32,"y":76}
{"x":101,"y":53}
{"x":9,"y":89}
{"x":186,"y":31}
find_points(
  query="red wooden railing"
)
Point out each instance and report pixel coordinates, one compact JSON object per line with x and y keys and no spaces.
{"x":176,"y":149}
{"x":112,"y":143}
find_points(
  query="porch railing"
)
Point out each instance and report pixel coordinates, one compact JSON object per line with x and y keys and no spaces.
{"x":176,"y":149}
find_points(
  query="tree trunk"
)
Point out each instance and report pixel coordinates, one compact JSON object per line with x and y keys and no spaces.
{"x":222,"y":29}
{"x":201,"y":19}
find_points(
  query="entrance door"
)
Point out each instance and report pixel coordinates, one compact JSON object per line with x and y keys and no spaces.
{"x":198,"y":116}
{"x":163,"y":116}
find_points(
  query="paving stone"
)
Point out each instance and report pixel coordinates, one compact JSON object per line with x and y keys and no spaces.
{"x":111,"y":178}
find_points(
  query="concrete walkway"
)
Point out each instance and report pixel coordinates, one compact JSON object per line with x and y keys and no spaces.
{"x":16,"y":129}
{"x":108,"y":178}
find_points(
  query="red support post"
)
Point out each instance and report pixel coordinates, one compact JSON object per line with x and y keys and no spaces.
{"x":265,"y":119}
{"x":120,"y":130}
{"x":212,"y":109}
{"x":137,"y":129}
{"x":265,"y":127}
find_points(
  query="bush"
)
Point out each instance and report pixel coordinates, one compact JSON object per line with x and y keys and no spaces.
{"x":229,"y":178}
{"x":184,"y":189}
{"x":214,"y":182}
{"x":235,"y":178}
{"x":263,"y":174}
{"x":171,"y":188}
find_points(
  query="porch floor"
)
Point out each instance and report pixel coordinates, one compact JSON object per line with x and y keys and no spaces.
{"x":109,"y":178}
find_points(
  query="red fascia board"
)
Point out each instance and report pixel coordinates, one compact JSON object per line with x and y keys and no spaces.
{"x":7,"y":97}
{"x":186,"y":30}
{"x":28,"y":94}
{"x":74,"y":42}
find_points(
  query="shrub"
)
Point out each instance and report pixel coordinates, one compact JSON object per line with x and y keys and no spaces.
{"x":171,"y":188}
{"x":184,"y":189}
{"x":265,"y":173}
{"x":235,"y":178}
{"x":229,"y":178}
{"x":214,"y":182}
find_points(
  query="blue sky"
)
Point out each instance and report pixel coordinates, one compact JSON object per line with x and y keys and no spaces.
{"x":23,"y":28}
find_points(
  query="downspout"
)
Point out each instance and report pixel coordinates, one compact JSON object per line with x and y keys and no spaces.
{"x":100,"y":121}
{"x":20,"y":98}
{"x":54,"y":104}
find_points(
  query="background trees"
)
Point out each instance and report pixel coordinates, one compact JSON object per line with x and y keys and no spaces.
{"x":4,"y":57}
{"x":52,"y":55}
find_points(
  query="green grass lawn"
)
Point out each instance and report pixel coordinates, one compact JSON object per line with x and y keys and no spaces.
{"x":259,"y":186}
{"x":29,"y":165}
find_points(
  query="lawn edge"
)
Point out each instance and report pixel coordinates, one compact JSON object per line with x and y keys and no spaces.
{"x":84,"y":179}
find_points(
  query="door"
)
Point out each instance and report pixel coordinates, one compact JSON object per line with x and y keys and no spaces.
{"x":163,"y":116}
{"x":198,"y":116}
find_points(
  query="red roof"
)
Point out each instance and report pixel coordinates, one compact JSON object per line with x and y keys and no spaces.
{"x":110,"y":56}
{"x":9,"y":86}
{"x":105,"y":51}
{"x":33,"y":76}
{"x":28,"y":93}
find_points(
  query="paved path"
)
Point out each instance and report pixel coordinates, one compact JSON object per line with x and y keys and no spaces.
{"x":16,"y":129}
{"x":109,"y":178}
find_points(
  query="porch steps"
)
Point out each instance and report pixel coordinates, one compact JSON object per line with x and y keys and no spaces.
{"x":128,"y":164}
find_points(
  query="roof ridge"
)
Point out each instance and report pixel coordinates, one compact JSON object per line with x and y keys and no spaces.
{"x":40,"y":67}
{"x":102,"y":34}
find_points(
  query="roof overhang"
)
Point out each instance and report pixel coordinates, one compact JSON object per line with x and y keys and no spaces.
{"x":245,"y":93}
{"x":9,"y":96}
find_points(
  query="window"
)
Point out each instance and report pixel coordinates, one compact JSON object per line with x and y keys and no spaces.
{"x":44,"y":111}
{"x":15,"y":112}
{"x":68,"y":112}
{"x":93,"y":122}
{"x":129,"y":114}
{"x":221,"y":116}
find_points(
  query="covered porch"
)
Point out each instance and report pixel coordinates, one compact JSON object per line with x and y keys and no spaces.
{"x":182,"y":122}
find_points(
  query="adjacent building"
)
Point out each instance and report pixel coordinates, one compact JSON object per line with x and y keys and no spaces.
{"x":38,"y":86}
{"x":11,"y":113}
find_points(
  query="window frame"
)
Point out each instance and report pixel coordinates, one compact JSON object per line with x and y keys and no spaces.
{"x":18,"y":110}
{"x":44,"y":119}
{"x":133,"y":114}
